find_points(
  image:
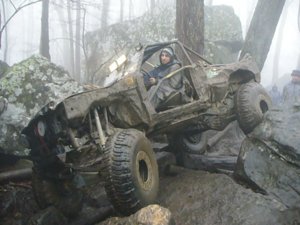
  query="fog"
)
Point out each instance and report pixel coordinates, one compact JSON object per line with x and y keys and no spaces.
{"x":289,"y":46}
{"x":24,"y":32}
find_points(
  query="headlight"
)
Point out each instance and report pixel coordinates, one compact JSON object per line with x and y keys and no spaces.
{"x":41,"y":128}
{"x":117,"y":63}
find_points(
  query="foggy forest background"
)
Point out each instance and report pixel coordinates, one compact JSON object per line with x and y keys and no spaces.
{"x":57,"y":29}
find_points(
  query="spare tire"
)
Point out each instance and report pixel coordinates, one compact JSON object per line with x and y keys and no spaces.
{"x":130,"y":171}
{"x":251,"y":102}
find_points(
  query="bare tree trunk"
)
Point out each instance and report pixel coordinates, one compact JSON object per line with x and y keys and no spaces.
{"x":78,"y":41}
{"x":261,"y":31}
{"x":83,"y":41}
{"x":190,"y":23}
{"x":29,"y":23}
{"x":152,"y":6}
{"x":66,"y":48}
{"x":121,"y":11}
{"x":6,"y":31}
{"x":44,"y":42}
{"x":25,"y":25}
{"x":299,"y":17}
{"x":0,"y":26}
{"x":130,"y":14}
{"x":209,"y":2}
{"x":104,"y":14}
{"x":279,"y":45}
{"x":17,"y":9}
{"x":71,"y":39}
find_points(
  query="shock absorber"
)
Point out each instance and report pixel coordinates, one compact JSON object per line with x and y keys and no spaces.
{"x":99,"y":128}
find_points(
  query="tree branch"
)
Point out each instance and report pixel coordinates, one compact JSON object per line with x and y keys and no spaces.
{"x":16,"y":11}
{"x":13,"y":4}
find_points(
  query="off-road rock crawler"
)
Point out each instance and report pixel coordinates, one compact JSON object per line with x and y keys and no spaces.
{"x":110,"y":129}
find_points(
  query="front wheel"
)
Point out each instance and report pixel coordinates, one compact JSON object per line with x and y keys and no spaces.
{"x":252,"y":101}
{"x":130,"y":171}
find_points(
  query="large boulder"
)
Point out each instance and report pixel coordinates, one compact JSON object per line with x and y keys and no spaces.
{"x":269,"y":159}
{"x":223,"y":34}
{"x":197,"y":197}
{"x":27,"y":86}
{"x":152,"y":214}
{"x":223,"y":37}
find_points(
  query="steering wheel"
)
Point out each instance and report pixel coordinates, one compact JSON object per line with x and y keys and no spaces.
{"x":146,"y":77}
{"x":145,"y":73}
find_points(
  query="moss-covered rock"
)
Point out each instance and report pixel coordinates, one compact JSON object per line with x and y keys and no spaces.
{"x":28,"y":86}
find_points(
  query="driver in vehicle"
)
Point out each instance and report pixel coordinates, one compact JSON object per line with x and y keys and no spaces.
{"x":168,"y":64}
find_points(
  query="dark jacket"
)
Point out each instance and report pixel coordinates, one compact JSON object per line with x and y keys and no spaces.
{"x":167,"y":86}
{"x":160,"y":72}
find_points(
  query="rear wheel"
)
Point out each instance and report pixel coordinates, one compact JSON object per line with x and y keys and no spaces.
{"x":130,"y":172}
{"x":252,"y":101}
{"x":188,"y":143}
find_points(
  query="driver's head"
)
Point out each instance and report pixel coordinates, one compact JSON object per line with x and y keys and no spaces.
{"x":166,"y":55}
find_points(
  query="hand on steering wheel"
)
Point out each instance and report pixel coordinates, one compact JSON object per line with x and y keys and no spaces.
{"x":152,"y":80}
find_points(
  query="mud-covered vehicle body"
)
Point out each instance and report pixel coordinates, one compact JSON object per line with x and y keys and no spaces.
{"x":118,"y":122}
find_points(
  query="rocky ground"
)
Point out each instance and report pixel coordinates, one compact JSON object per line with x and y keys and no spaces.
{"x":192,"y":197}
{"x":186,"y":197}
{"x":18,"y":205}
{"x":249,"y":180}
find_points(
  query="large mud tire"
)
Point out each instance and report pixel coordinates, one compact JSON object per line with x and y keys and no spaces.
{"x":186,"y":143}
{"x":61,"y":194}
{"x":130,"y":171}
{"x":252,"y":101}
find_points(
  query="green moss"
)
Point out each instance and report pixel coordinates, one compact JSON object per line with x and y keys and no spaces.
{"x":25,"y":82}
